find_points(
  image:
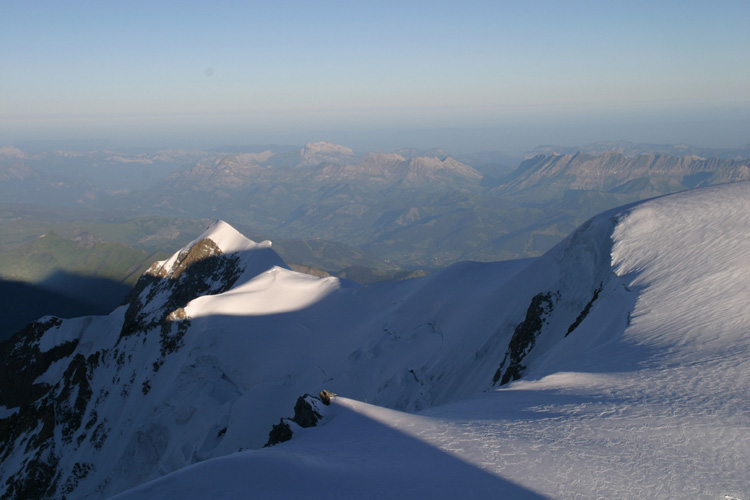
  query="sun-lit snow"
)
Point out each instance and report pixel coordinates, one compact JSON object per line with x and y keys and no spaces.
{"x":647,"y":398}
{"x":275,"y":291}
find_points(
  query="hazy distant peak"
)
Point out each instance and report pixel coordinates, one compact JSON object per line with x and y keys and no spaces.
{"x":446,"y":165}
{"x":392,"y":157}
{"x":11,"y":152}
{"x":325,"y":147}
{"x":315,"y":153}
{"x":414,"y":152}
{"x":432,"y":160}
{"x":17,"y":172}
{"x":247,"y":158}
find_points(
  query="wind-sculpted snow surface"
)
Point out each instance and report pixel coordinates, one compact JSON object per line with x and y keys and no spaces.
{"x":646,"y":397}
{"x":615,"y":366}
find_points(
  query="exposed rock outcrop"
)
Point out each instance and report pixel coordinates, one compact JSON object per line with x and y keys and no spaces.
{"x":307,"y":413}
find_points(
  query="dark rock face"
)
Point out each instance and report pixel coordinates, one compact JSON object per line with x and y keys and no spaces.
{"x":43,"y":410}
{"x":279,"y":433}
{"x":524,"y":337}
{"x":200,"y":270}
{"x":585,"y":311}
{"x":306,"y":415}
{"x":21,"y":362}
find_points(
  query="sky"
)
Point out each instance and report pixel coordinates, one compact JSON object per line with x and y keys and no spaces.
{"x":465,"y":76}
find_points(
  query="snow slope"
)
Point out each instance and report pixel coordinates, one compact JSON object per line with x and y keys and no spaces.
{"x":647,"y":397}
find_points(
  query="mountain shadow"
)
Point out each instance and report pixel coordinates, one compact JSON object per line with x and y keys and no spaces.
{"x":367,"y":461}
{"x":61,"y":294}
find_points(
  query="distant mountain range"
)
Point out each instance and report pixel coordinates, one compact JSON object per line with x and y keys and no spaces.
{"x":323,"y":167}
{"x":411,"y":208}
{"x":613,"y":172}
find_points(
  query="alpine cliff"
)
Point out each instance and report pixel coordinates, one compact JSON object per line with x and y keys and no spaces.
{"x":621,"y":354}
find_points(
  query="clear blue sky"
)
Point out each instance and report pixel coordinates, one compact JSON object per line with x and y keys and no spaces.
{"x":480,"y":75}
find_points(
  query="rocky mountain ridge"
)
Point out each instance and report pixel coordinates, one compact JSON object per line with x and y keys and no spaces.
{"x":631,"y":149}
{"x":315,"y":153}
{"x":613,"y":172}
{"x":324,"y":163}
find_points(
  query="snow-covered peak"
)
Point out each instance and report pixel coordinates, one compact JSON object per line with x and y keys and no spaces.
{"x":213,"y":263}
{"x":226,"y":240}
{"x":314,"y":153}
